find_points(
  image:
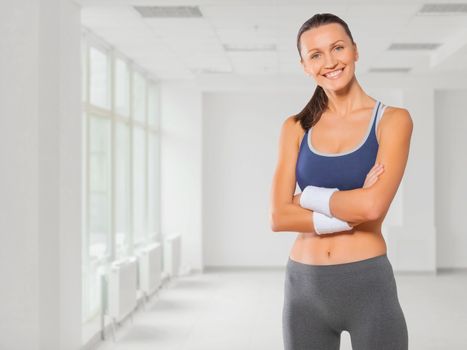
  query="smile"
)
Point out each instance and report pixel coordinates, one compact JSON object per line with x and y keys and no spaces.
{"x":334,"y":74}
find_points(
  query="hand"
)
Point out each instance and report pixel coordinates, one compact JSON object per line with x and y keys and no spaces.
{"x":373,"y":174}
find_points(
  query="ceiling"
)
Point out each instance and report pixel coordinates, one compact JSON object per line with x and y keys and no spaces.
{"x":242,"y":39}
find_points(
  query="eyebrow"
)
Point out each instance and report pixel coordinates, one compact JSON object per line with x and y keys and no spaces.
{"x":329,"y":45}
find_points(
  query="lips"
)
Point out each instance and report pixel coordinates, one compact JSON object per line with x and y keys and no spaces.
{"x":337,"y":70}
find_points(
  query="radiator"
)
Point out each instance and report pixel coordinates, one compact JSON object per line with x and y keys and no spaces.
{"x":150,"y":268}
{"x":121,"y":288}
{"x":172,"y":254}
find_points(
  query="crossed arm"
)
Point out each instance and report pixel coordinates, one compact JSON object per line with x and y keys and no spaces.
{"x":358,"y":205}
{"x":366,"y":204}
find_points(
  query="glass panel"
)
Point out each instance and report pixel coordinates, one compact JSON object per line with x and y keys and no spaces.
{"x":122,"y":88}
{"x":84,"y":81}
{"x":139,"y":97}
{"x":122,"y":189}
{"x":85,"y":310}
{"x":139,"y":185}
{"x":99,"y":78}
{"x":92,"y":289}
{"x":153,"y":187}
{"x":99,"y":187}
{"x":153,"y":105}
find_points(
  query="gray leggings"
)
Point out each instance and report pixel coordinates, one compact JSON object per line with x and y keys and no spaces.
{"x":320,"y":301}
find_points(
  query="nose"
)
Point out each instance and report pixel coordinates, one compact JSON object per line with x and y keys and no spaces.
{"x":329,"y":61}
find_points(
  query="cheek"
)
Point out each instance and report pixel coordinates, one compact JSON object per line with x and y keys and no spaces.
{"x":312,"y":68}
{"x":350,"y":57}
{"x":315,"y":67}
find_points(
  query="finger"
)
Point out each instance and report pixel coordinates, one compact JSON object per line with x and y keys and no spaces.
{"x":372,"y":182}
{"x":368,"y":184}
{"x":373,"y":174}
{"x":373,"y":178}
{"x":378,"y":164}
{"x":375,"y":169}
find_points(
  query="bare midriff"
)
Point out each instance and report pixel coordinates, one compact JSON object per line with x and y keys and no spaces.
{"x":362,"y":242}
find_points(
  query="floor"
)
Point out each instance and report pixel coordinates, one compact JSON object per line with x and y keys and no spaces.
{"x":241,"y":310}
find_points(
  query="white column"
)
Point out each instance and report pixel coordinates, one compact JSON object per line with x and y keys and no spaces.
{"x":40,"y":191}
{"x":181,"y":170}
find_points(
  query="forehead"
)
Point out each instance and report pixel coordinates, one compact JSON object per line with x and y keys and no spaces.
{"x":322,"y":36}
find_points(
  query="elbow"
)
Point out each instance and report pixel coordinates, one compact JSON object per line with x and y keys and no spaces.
{"x":274,"y":221}
{"x":374,"y":211}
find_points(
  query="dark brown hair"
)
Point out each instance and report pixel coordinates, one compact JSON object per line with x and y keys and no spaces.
{"x":312,"y":112}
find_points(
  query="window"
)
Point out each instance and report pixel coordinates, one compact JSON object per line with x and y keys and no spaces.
{"x":139,"y":184}
{"x":99,"y":78}
{"x":121,"y":163}
{"x":153,"y":104}
{"x":122,"y":88}
{"x":122,"y":190}
{"x":100,"y":195}
{"x":139,"y":97}
{"x":153,"y":187}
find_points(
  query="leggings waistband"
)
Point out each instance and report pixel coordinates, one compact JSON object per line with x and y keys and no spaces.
{"x":355,"y":266}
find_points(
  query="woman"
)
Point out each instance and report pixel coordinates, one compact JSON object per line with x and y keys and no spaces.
{"x":338,"y":275}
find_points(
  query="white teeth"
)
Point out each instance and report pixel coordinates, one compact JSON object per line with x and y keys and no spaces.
{"x":333,"y":74}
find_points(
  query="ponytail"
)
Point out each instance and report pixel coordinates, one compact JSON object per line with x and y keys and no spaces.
{"x":312,"y":112}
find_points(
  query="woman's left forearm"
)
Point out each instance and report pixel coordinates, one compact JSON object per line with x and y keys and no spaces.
{"x":353,"y":206}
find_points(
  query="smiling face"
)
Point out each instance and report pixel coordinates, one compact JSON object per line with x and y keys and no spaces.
{"x":325,"y":49}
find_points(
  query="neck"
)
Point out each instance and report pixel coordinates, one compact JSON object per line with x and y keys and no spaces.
{"x":348,"y":99}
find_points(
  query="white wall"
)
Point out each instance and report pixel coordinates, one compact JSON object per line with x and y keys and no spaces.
{"x":181,"y":169}
{"x":450,"y":176}
{"x":19,"y":195}
{"x":412,"y":244}
{"x":40,"y":191}
{"x":241,"y":132}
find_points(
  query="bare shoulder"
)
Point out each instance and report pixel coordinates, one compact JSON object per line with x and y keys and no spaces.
{"x":395,"y":120}
{"x":294,"y":129}
{"x":397,"y":115}
{"x":291,"y":123}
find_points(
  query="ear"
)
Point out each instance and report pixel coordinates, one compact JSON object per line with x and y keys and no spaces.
{"x":356,"y":51}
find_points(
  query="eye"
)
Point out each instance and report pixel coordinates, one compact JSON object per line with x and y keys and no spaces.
{"x":317,"y":54}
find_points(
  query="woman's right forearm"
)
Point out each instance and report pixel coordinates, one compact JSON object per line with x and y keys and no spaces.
{"x":292,"y":217}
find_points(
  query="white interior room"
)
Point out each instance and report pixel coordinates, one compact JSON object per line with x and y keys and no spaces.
{"x":139,"y":142}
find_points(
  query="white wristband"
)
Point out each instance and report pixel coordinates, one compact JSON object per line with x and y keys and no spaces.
{"x":325,"y":224}
{"x":317,"y":199}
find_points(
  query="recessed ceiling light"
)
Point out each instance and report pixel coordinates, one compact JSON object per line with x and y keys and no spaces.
{"x":414,"y":46}
{"x":168,"y":11}
{"x":440,"y":8}
{"x":390,"y":70}
{"x":267,"y":47}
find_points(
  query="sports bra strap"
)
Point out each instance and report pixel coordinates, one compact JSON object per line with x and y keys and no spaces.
{"x":380,"y":114}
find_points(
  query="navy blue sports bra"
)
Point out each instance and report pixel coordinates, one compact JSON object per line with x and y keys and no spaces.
{"x":345,"y":170}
